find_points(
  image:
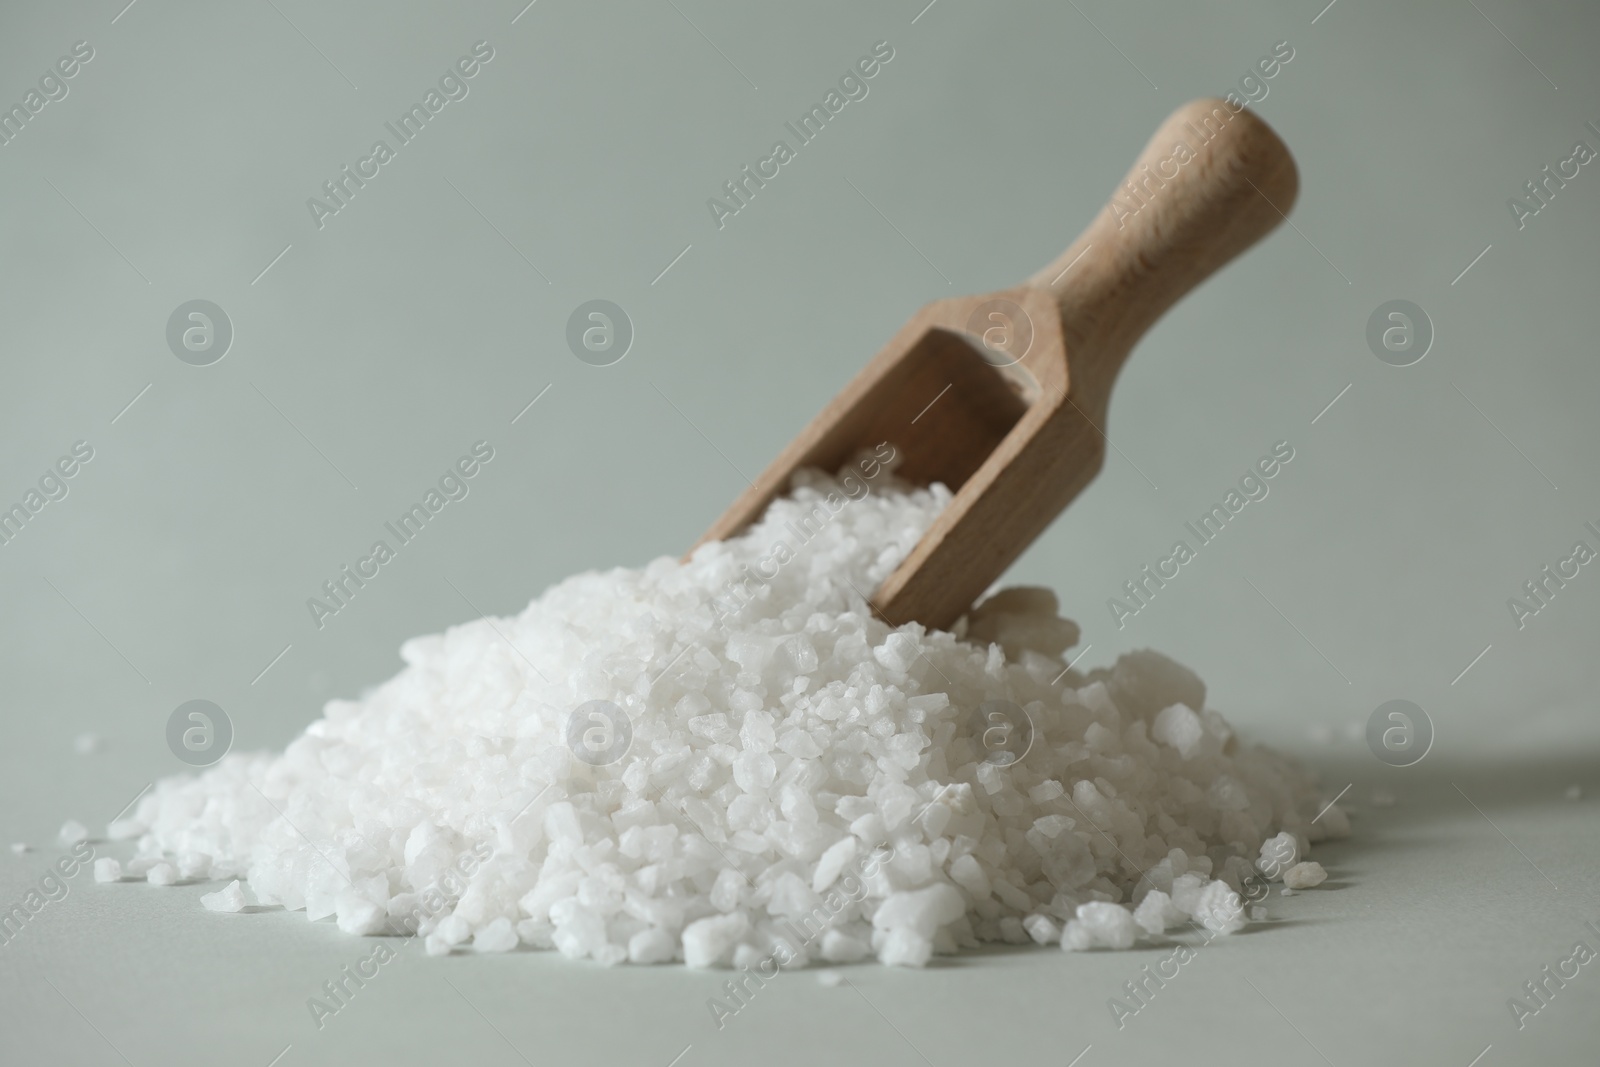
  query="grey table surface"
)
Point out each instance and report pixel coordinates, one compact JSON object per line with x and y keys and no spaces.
{"x":372,"y":346}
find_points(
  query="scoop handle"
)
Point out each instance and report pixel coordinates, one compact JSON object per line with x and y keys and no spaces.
{"x":1210,"y":183}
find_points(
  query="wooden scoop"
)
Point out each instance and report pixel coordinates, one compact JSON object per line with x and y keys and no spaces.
{"x":1003,"y":397}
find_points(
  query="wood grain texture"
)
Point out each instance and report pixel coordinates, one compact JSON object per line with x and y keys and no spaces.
{"x":1020,"y":380}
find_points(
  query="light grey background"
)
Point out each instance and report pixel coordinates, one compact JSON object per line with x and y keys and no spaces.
{"x":430,"y":311}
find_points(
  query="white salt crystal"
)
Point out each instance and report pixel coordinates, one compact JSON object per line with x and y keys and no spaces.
{"x":71,"y":833}
{"x":355,"y":914}
{"x":1011,"y":896}
{"x":725,"y":890}
{"x":1278,"y":854}
{"x":1304,"y":876}
{"x":832,"y":863}
{"x":498,"y":936}
{"x":1052,"y":826}
{"x":1179,"y":727}
{"x":1156,"y":914}
{"x":229,"y":898}
{"x":561,"y":825}
{"x":1076,"y":937}
{"x":19,"y":847}
{"x":921,"y":911}
{"x":966,"y":872}
{"x":537,"y":934}
{"x":1042,"y":929}
{"x":898,"y":652}
{"x":778,"y":734}
{"x":870,"y":829}
{"x":162,"y":874}
{"x":1227,"y":793}
{"x":840,"y":947}
{"x":1100,"y":924}
{"x":829,"y":978}
{"x":1186,"y":889}
{"x":710,"y":941}
{"x":1220,"y":909}
{"x":1045,"y":791}
{"x":905,"y":947}
{"x":107,"y":869}
{"x":651,"y":946}
{"x":934,"y":818}
{"x":452,"y":930}
{"x":85,"y":743}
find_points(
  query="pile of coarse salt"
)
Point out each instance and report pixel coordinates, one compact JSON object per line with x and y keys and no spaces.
{"x":779,"y":774}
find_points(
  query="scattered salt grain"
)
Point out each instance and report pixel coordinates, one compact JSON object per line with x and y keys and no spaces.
{"x":107,"y":869}
{"x":85,"y":743}
{"x":1278,"y":854}
{"x":19,"y":847}
{"x":162,"y":874}
{"x":795,"y":772}
{"x":228,"y":898}
{"x":72,"y":832}
{"x":1304,"y":876}
{"x":830,"y":978}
